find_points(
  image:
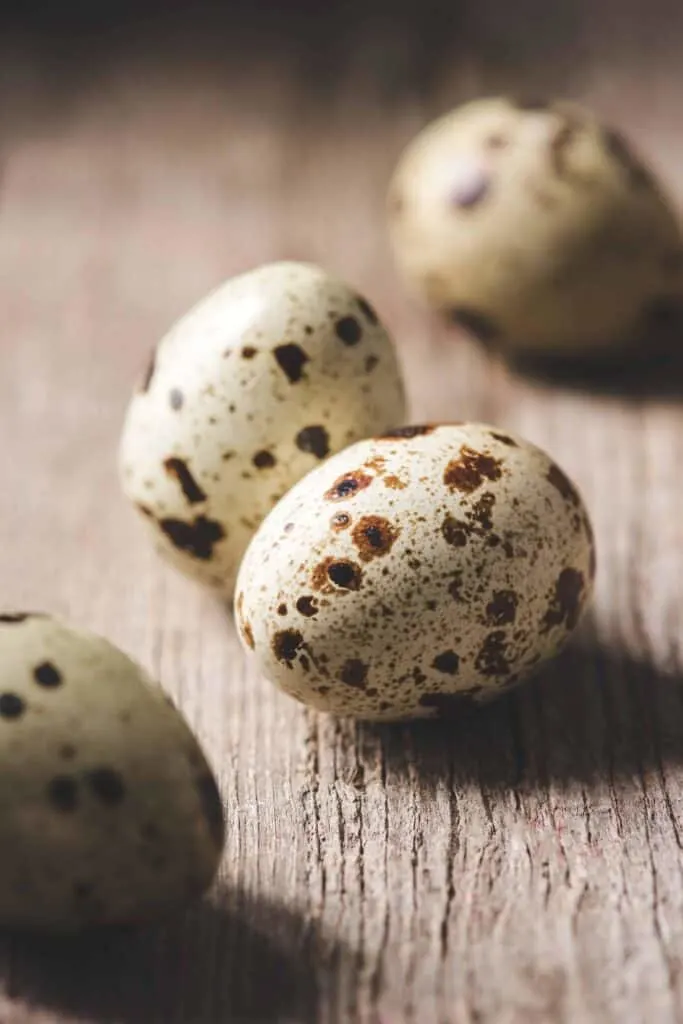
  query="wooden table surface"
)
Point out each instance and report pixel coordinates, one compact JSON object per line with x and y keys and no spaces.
{"x":523,"y":865}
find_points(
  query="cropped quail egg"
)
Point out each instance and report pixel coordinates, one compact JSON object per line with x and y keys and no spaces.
{"x":256,"y":385}
{"x":109,"y":812}
{"x":415,"y":569}
{"x":536,"y":228}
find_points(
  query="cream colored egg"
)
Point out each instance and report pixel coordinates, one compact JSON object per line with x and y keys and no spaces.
{"x":109,"y":812}
{"x":536,"y":228}
{"x":258,"y":384}
{"x":416,"y":569}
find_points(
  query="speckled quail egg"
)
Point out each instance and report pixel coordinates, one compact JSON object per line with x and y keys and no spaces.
{"x":109,"y":812}
{"x":415,"y":569}
{"x":536,"y":228}
{"x":256,"y":385}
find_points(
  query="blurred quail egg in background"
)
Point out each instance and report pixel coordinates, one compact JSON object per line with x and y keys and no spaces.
{"x":536,"y":228}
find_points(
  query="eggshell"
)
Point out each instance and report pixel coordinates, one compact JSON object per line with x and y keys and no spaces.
{"x":256,"y":385}
{"x":109,"y":812}
{"x":536,"y":228}
{"x":415,"y":569}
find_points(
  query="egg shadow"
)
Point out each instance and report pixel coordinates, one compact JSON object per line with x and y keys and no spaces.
{"x":594,"y":714}
{"x":239,"y":959}
{"x":652,"y":369}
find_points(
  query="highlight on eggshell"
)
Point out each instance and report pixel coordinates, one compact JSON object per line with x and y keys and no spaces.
{"x":537,"y":229}
{"x":109,"y":811}
{"x":416,"y":570}
{"x":260,"y":382}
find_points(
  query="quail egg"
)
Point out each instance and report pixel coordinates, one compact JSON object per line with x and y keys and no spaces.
{"x":259,"y":383}
{"x":536,"y":228}
{"x":109,"y":812}
{"x":415,"y":569}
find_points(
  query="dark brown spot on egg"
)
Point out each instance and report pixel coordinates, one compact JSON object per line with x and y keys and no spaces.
{"x":47,"y":675}
{"x":621,"y":152}
{"x":313,"y":440}
{"x":354,"y":673}
{"x":344,"y":574}
{"x":248,"y":352}
{"x":469,"y":471}
{"x":563,"y":484}
{"x":212,"y":807}
{"x":477,"y":323}
{"x":291,"y":359}
{"x":67,"y":751}
{"x":504,"y":439}
{"x":348,"y":330}
{"x":492,"y":657}
{"x":107,"y":785}
{"x":247,"y":633}
{"x":448,"y":662}
{"x":348,"y":485}
{"x":340,"y":521}
{"x":367,"y":310}
{"x":480,"y":513}
{"x":454,"y":532}
{"x":263,"y":459}
{"x":179,"y":469}
{"x":282,"y":609}
{"x":374,"y":536}
{"x":406,"y":433}
{"x":307,"y":605}
{"x":176,"y":398}
{"x":11,"y":706}
{"x":286,"y":644}
{"x":62,"y":793}
{"x":149,"y":373}
{"x":565,"y":606}
{"x":455,"y":586}
{"x":370,"y":363}
{"x":197,"y":538}
{"x":502,"y":608}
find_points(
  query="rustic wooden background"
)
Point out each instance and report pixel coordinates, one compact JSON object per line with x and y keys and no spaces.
{"x":522,"y":866}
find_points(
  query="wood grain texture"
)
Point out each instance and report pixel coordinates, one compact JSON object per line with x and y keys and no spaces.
{"x":521,"y":866}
